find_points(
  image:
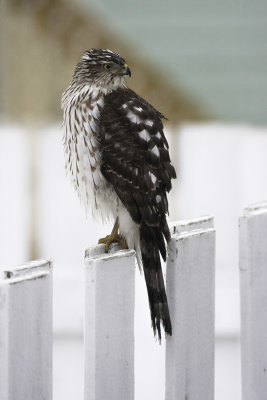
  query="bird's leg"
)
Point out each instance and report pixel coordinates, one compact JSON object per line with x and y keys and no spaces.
{"x":114,"y":237}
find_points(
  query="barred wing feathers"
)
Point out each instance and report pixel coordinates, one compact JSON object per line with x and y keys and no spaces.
{"x":135,"y":160}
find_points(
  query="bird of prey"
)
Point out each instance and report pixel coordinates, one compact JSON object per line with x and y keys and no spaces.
{"x":118,"y":160}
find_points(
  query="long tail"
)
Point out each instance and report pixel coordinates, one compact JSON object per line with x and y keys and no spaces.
{"x":151,"y":244}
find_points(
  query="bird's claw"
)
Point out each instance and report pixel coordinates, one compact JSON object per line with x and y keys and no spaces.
{"x":113,"y":239}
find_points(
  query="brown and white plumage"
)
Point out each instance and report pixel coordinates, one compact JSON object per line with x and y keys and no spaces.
{"x":118,"y":160}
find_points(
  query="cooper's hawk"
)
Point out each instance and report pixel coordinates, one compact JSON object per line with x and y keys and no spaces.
{"x":118,"y":160}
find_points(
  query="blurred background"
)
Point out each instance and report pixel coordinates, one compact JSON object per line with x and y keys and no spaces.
{"x":203,"y":64}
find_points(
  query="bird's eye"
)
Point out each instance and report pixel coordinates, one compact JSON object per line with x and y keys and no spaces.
{"x":107,"y":66}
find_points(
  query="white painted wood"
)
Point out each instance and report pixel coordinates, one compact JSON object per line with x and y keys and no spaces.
{"x":191,"y":292}
{"x":187,"y":225}
{"x":109,"y":324}
{"x":26,"y":332}
{"x":253,"y":290}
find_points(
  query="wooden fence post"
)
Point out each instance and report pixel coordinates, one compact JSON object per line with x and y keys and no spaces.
{"x":253,"y":291}
{"x":26,"y":332}
{"x":109,"y":324}
{"x":191,"y":292}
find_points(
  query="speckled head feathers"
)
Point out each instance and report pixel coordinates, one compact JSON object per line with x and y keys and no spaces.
{"x":101,"y":67}
{"x":102,"y":56}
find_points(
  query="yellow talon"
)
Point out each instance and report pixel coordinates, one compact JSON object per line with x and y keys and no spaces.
{"x":114,"y":237}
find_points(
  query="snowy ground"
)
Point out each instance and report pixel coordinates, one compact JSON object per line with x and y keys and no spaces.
{"x":220,"y":170}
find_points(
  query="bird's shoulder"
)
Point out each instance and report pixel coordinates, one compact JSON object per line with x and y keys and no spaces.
{"x":132,"y":139}
{"x":130,"y":125}
{"x":135,"y":155}
{"x":128,"y":119}
{"x":125,"y":101}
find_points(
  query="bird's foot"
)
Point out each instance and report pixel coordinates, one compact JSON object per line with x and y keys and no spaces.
{"x":113,"y":238}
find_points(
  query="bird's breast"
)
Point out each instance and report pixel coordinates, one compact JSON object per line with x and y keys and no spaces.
{"x":83,"y":155}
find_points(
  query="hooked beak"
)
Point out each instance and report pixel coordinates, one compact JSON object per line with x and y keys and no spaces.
{"x":125,"y":70}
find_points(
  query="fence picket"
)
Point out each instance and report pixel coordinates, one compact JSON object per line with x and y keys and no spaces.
{"x":253,"y":291}
{"x":26,"y":332}
{"x":191,"y":291}
{"x":109,"y":324}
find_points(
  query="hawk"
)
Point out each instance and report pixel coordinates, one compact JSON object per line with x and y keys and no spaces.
{"x":118,"y":160}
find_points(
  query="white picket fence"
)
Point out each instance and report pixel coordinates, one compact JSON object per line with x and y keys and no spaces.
{"x":26,"y":318}
{"x":26,"y":332}
{"x":253,"y":287}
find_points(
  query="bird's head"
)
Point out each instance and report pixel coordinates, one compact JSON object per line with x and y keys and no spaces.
{"x":101,"y":67}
